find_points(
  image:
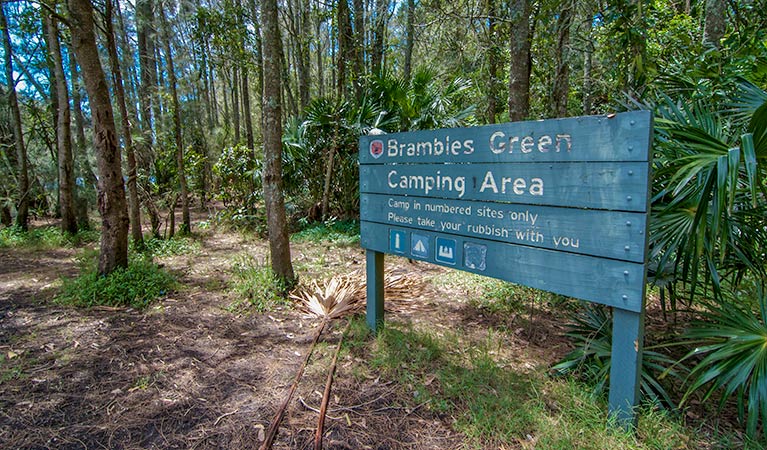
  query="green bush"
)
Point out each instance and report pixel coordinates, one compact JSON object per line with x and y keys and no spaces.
{"x":591,"y":333}
{"x":344,"y":233}
{"x":135,"y":286}
{"x":256,"y":284}
{"x":733,"y":339}
{"x":43,"y":238}
{"x":177,"y":245}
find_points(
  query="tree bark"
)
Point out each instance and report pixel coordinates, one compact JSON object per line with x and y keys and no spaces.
{"x":493,"y":56}
{"x":117,"y":82}
{"x":344,"y":47}
{"x":186,"y":225}
{"x":246,"y":110}
{"x":236,"y":104}
{"x":86,"y":175}
{"x":279,"y":244}
{"x":561,"y":88}
{"x":22,"y":205}
{"x":715,"y":22}
{"x":63,"y":126}
{"x":409,"y":39}
{"x":358,"y":47}
{"x":519,"y":70}
{"x":379,"y":36}
{"x":145,"y":35}
{"x":111,"y":191}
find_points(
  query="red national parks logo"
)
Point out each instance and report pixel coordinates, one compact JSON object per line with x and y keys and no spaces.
{"x":376,"y":148}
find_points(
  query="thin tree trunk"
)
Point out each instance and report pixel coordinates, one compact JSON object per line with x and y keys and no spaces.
{"x":345,"y":39}
{"x":519,"y":71}
{"x":87,"y":177}
{"x":112,"y":205}
{"x":236,"y":104}
{"x":145,"y":35}
{"x":493,"y":56}
{"x":22,"y":206}
{"x":63,"y":126}
{"x":246,"y":110}
{"x":409,"y":38}
{"x":117,"y":83}
{"x":561,"y":88}
{"x":186,"y":226}
{"x":279,"y":244}
{"x":358,"y":47}
{"x":379,"y":37}
{"x":320,"y":51}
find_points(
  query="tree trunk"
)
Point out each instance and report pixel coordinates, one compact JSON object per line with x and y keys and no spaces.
{"x":87,"y":177}
{"x":379,"y":37}
{"x":320,"y":51}
{"x":302,"y":54}
{"x":186,"y":225}
{"x":236,"y":104}
{"x":246,"y":110}
{"x":519,"y":70}
{"x":112,"y":205}
{"x":409,"y":38}
{"x":146,"y":35}
{"x":279,"y":244}
{"x":63,"y":126}
{"x":492,"y":58}
{"x":358,"y":47}
{"x":117,"y":83}
{"x":715,"y":22}
{"x":344,"y":47}
{"x":22,"y":207}
{"x":561,"y":88}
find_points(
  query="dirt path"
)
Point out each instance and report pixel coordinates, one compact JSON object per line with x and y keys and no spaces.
{"x":186,"y":372}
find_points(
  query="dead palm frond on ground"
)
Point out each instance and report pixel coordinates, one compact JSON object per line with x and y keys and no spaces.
{"x":338,"y":297}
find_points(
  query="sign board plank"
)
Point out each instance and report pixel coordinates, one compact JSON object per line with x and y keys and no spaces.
{"x":620,"y":137}
{"x":600,"y":185}
{"x":610,"y":234}
{"x":609,"y":282}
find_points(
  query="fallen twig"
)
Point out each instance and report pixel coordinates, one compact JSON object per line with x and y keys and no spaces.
{"x":275,"y":425}
{"x":326,"y":394}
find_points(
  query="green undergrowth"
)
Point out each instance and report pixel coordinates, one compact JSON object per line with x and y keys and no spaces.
{"x":496,"y":405}
{"x":343,"y":233}
{"x":255,"y":286}
{"x":493,"y":296}
{"x":177,"y":245}
{"x":44,"y":238}
{"x":135,"y":286}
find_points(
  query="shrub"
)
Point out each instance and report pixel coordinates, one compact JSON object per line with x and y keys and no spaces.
{"x":591,"y":332}
{"x":256,"y":284}
{"x":733,"y":339}
{"x":135,"y":286}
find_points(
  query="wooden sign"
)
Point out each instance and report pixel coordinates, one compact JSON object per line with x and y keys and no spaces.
{"x":560,"y":205}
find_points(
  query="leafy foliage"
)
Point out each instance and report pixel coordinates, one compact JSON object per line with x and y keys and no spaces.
{"x":733,"y":341}
{"x":135,"y":286}
{"x":256,"y":284}
{"x":708,"y":195}
{"x":591,"y":333}
{"x":45,"y":237}
{"x":344,"y":233}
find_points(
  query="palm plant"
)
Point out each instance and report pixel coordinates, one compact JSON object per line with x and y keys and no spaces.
{"x":591,"y":333}
{"x":709,"y":199}
{"x":734,"y":342}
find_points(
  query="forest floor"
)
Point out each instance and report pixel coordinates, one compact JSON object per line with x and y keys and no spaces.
{"x":191,"y":372}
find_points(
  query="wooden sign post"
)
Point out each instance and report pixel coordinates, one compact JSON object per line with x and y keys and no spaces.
{"x":560,"y":205}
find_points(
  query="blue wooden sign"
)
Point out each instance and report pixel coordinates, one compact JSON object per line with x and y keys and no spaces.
{"x":560,"y":205}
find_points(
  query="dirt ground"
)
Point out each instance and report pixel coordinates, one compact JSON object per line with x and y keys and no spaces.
{"x":187,"y":373}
